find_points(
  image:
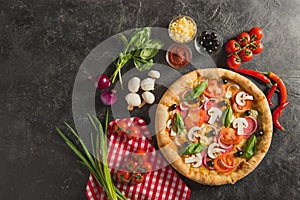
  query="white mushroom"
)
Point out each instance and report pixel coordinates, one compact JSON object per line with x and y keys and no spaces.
{"x":132,"y":100}
{"x":154,"y":74}
{"x":148,"y":97}
{"x":241,"y":97}
{"x":214,"y":149}
{"x":193,"y":133}
{"x":148,"y":84}
{"x":134,"y":84}
{"x":196,"y":160}
{"x":214,"y":114}
{"x":240,"y":124}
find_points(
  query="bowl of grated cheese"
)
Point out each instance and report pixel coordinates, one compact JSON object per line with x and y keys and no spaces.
{"x":182,"y":29}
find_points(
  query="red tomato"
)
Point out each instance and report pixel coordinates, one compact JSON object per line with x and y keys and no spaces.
{"x":238,"y":108}
{"x":214,"y":89}
{"x":120,"y":127}
{"x":132,"y":165}
{"x":140,"y":155}
{"x":233,"y":61}
{"x":123,"y":176}
{"x":146,"y":167}
{"x":245,"y":55}
{"x":229,"y":136}
{"x":252,"y":125}
{"x":227,"y":159}
{"x":133,"y":132}
{"x":232,"y":46}
{"x":256,"y":47}
{"x":243,"y":39}
{"x":194,"y":118}
{"x":137,"y":178}
{"x":256,"y":33}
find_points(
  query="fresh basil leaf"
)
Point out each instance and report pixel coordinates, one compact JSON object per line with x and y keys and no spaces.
{"x":193,"y":149}
{"x":151,"y":48}
{"x":197,"y":91}
{"x":250,"y":147}
{"x":178,"y":124}
{"x":124,"y":39}
{"x":227,"y":117}
{"x":143,"y":37}
{"x":142,"y":64}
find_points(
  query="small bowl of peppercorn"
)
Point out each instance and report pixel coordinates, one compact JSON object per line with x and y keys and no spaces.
{"x":209,"y":42}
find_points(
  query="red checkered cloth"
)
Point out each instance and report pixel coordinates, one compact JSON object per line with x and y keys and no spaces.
{"x":161,"y":183}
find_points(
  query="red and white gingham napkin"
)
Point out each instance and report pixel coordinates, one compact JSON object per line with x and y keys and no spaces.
{"x":162,"y":183}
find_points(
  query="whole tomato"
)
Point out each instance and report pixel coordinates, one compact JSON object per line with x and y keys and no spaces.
{"x":245,"y":55}
{"x":132,"y":165}
{"x":120,"y":127}
{"x":256,"y":47}
{"x":140,"y":155}
{"x":146,"y":167}
{"x":256,"y":33}
{"x":233,"y":61}
{"x":137,"y":178}
{"x":123,"y":176}
{"x":133,"y":132}
{"x":243,"y":39}
{"x":232,"y":46}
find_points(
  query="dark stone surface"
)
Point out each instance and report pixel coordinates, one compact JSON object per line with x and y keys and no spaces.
{"x":43,"y":43}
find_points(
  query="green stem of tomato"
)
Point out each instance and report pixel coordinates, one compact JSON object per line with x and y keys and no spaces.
{"x":247,"y":45}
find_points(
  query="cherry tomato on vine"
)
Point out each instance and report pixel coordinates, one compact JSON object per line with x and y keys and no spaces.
{"x":246,"y":55}
{"x":256,"y":47}
{"x":132,"y":165}
{"x":123,"y":176}
{"x":233,"y":61}
{"x":140,"y":155}
{"x":243,"y":39}
{"x":133,"y":132}
{"x":137,"y":178}
{"x":146,"y":167}
{"x":232,"y":46}
{"x":120,"y":127}
{"x":256,"y":33}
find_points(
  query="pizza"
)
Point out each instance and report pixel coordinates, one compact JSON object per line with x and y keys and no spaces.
{"x":213,"y":126}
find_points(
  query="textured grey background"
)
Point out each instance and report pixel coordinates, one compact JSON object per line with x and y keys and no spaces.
{"x":43,"y":43}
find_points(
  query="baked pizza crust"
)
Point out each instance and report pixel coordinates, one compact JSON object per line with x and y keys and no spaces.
{"x":169,"y":148}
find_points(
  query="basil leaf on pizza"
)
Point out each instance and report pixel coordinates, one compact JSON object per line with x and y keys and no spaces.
{"x":178,"y":124}
{"x":215,"y":124}
{"x":197,"y":91}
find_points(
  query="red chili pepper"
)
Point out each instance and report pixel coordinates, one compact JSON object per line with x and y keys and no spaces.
{"x":276,"y":115}
{"x":281,"y":86}
{"x":270,"y":94}
{"x":255,"y":74}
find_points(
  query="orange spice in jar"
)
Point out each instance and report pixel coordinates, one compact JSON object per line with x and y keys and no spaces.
{"x":178,"y":55}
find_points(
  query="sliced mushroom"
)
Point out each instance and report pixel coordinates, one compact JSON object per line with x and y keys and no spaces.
{"x":214,"y":114}
{"x":154,"y":74}
{"x":213,"y":150}
{"x":193,"y":133}
{"x":240,"y":124}
{"x":196,"y":160}
{"x":134,"y":84}
{"x":148,"y":84}
{"x":148,"y":97}
{"x":241,"y":97}
{"x":132,"y":100}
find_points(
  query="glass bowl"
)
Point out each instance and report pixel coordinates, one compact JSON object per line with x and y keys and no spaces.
{"x":209,"y":42}
{"x":182,"y":54}
{"x":182,"y":29}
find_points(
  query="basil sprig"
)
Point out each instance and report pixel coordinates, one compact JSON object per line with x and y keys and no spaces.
{"x":178,"y":124}
{"x":250,"y":147}
{"x":140,"y":48}
{"x":197,"y":91}
{"x":227,"y":116}
{"x":193,"y":149}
